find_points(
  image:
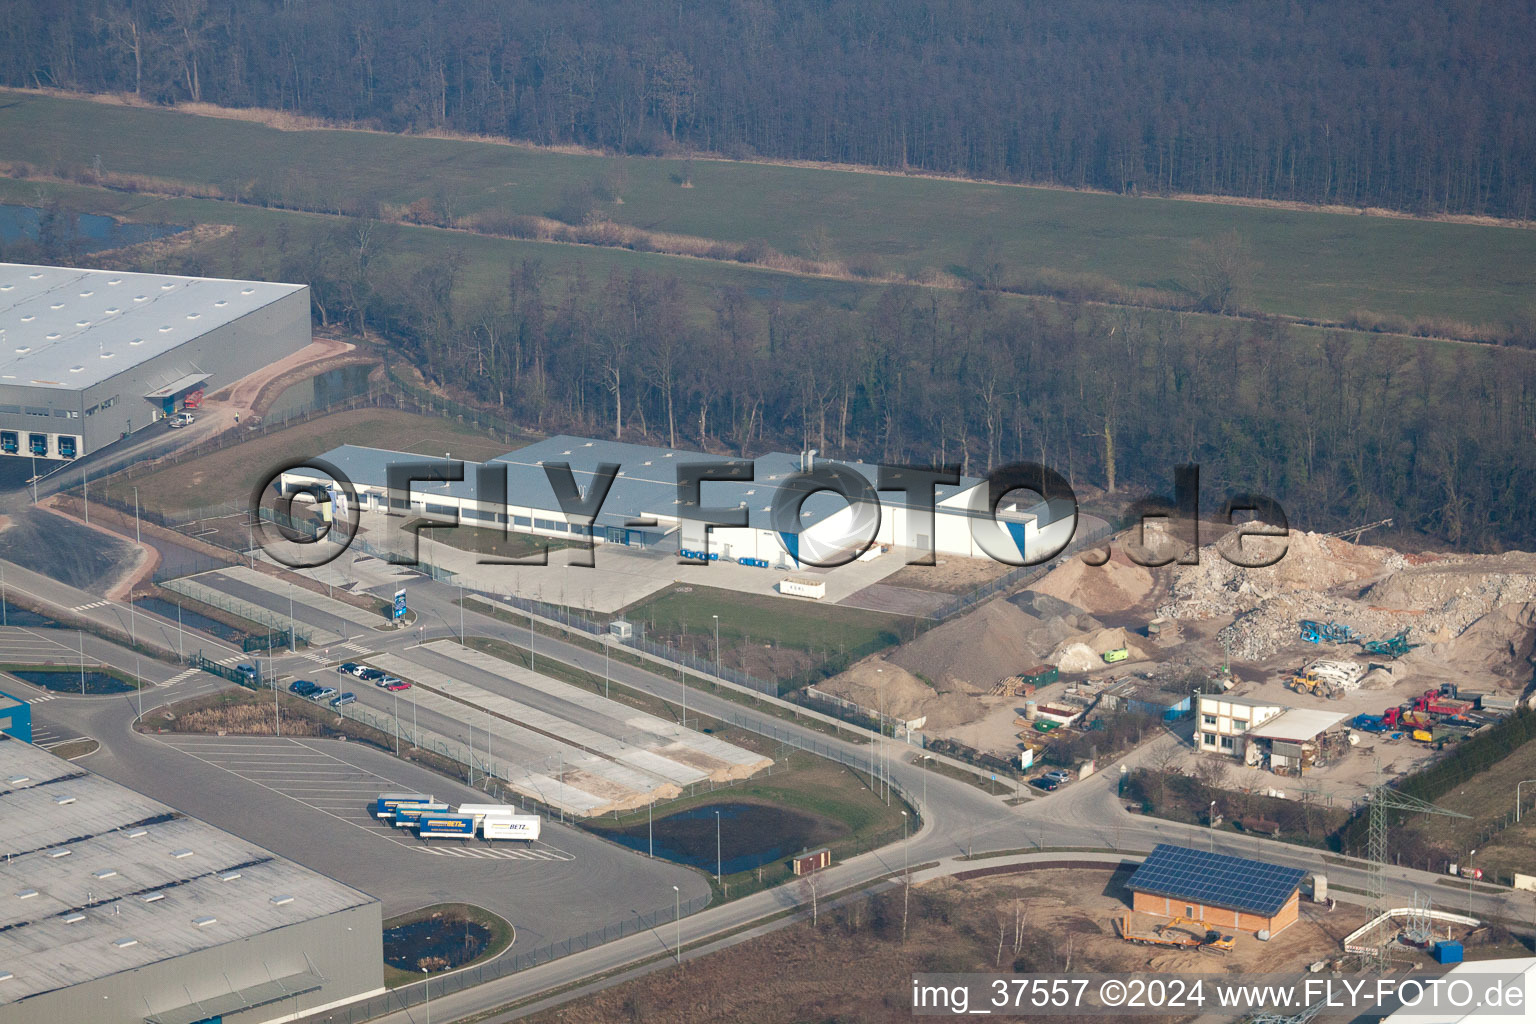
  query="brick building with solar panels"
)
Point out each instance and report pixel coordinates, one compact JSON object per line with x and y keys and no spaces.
{"x":1217,"y":889}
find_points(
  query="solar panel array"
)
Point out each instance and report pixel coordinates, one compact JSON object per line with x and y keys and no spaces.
{"x":1216,"y":879}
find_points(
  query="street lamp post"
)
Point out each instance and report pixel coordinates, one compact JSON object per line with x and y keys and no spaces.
{"x":677,"y":915}
{"x":605,"y":665}
{"x":137,"y":535}
{"x":717,"y":847}
{"x":1527,"y":782}
{"x":650,"y":833}
{"x":291,"y":648}
{"x":426,"y":980}
{"x":717,"y":646}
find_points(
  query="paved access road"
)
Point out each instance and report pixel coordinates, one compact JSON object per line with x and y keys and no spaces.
{"x":957,"y":819}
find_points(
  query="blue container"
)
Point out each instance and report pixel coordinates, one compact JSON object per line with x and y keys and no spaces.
{"x":1448,"y":953}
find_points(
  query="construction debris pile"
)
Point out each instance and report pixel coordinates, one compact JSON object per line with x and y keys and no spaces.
{"x":1477,"y":608}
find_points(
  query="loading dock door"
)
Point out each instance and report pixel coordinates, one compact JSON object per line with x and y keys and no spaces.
{"x":10,"y":442}
{"x":38,"y":444}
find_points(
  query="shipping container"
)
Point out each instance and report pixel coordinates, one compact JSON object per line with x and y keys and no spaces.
{"x":1040,"y":675}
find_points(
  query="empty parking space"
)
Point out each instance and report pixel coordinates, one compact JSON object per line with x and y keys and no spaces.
{"x":330,"y":783}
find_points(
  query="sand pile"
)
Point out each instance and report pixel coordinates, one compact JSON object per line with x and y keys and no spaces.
{"x":999,"y":639}
{"x":1085,"y":653}
{"x":1115,"y":586}
{"x":877,"y":684}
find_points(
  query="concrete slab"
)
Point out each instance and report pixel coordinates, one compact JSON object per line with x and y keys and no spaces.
{"x":719,"y":760}
{"x":602,"y":762}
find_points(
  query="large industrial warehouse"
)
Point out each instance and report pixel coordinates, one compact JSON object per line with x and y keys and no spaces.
{"x":643,"y":508}
{"x":87,"y":357}
{"x":118,"y":910}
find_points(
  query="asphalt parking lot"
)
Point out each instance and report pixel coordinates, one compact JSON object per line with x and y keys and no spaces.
{"x":325,"y":779}
{"x":308,"y":800}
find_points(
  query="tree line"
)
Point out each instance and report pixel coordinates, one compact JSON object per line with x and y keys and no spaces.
{"x":1419,"y":106}
{"x":1340,"y":428}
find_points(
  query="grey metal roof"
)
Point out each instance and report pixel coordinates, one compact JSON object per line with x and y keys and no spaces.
{"x":97,"y":879}
{"x":67,"y":328}
{"x":1216,"y":879}
{"x":646,"y":485}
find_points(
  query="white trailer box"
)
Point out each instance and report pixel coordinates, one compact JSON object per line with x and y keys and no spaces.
{"x":800,"y":587}
{"x":517,"y":826}
{"x":481,"y":811}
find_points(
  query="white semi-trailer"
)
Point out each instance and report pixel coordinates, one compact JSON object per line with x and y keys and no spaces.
{"x":518,"y":826}
{"x":501,"y":821}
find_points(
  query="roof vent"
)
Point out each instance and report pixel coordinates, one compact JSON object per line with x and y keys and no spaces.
{"x":164,"y":330}
{"x":167,"y":286}
{"x":179,"y":854}
{"x":74,"y":918}
{"x":57,"y":305}
{"x":56,"y":854}
{"x":152,"y":897}
{"x":82,"y":323}
{"x":228,"y":876}
{"x":29,"y":318}
{"x":16,"y":780}
{"x":138,"y":833}
{"x":247,"y":291}
{"x":6,"y":287}
{"x":108,"y":355}
{"x":76,"y":369}
{"x":193,"y":316}
{"x":222,"y":302}
{"x":125,"y":942}
{"x":137,"y":341}
{"x":26,"y":894}
{"x":115,"y":280}
{"x":86,"y":295}
{"x":281,"y":899}
{"x":113,"y":309}
{"x":105,"y":873}
{"x":140,"y":298}
{"x":63,"y":798}
{"x":34,"y":276}
{"x":647,"y":462}
{"x":204,"y":921}
{"x":6,"y":975}
{"x":55,"y":336}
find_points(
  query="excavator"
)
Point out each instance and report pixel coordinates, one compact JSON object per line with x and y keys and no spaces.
{"x":1159,"y":936}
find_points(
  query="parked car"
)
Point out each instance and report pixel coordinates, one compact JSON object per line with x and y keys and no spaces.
{"x":372,"y":675}
{"x":349,"y":668}
{"x":397,"y":685}
{"x":182,"y":419}
{"x":346,"y":698}
{"x":302,"y":687}
{"x":1045,"y":783}
{"x":323,"y":693}
{"x":1059,"y":774}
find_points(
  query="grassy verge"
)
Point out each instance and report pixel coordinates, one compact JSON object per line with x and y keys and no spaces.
{"x":75,"y":748}
{"x":501,"y":937}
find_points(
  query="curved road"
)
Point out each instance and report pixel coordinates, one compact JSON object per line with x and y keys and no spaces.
{"x":957,"y":819}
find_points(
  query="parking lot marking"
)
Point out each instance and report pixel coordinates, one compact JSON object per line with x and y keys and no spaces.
{"x":329,"y":784}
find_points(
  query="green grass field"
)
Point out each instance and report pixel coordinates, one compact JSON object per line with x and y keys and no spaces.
{"x":1311,"y":264}
{"x":762,"y":619}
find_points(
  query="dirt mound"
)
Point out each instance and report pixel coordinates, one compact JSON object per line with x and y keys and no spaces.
{"x":880,"y":685}
{"x":997,"y":640}
{"x":1115,"y":586}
